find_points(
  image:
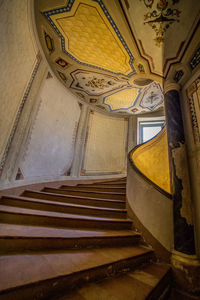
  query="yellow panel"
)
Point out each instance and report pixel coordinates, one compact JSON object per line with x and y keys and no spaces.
{"x":90,"y":38}
{"x":152,"y":160}
{"x":123,"y":99}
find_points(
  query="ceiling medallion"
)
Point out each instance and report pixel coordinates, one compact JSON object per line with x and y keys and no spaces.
{"x":161,"y":17}
{"x":152,"y":97}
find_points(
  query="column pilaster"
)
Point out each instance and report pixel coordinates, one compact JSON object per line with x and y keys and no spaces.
{"x":180,"y":183}
{"x":80,"y":141}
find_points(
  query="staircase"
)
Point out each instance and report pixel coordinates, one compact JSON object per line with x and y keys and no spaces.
{"x":75,"y":242}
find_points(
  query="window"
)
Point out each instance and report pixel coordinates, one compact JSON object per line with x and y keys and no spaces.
{"x":148,"y":128}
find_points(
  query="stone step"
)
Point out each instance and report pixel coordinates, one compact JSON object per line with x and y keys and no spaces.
{"x":102,"y":185}
{"x":56,"y":206}
{"x":114,"y":183}
{"x":147,"y":282}
{"x":105,"y":195}
{"x":94,"y":188}
{"x":98,"y":202}
{"x":42,"y":276}
{"x":16,"y":238}
{"x":18,"y":215}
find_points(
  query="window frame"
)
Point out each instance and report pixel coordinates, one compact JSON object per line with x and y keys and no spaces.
{"x":148,"y":122}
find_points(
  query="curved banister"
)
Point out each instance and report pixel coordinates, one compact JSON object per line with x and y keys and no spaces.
{"x":146,"y":159}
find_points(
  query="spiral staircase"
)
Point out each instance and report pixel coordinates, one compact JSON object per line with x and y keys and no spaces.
{"x":76,"y":242}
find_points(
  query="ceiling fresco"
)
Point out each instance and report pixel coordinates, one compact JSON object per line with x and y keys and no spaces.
{"x":123,"y":100}
{"x":115,"y":54}
{"x":90,"y":36}
{"x":163,"y":29}
{"x":94,"y":83}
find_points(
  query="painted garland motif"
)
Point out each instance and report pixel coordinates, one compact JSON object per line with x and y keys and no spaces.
{"x":161,"y":18}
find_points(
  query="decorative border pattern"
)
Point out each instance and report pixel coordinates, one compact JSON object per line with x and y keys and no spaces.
{"x":24,"y":99}
{"x":195,"y":126}
{"x":67,"y":8}
{"x":195,"y":60}
{"x":178,"y":75}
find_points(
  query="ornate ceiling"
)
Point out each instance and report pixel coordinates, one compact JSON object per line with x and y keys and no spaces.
{"x":114,"y":54}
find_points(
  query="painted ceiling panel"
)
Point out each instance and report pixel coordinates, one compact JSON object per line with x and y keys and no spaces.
{"x":90,"y":36}
{"x":124,"y":99}
{"x":94,"y":83}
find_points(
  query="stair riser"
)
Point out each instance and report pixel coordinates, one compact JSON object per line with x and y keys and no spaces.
{"x":53,"y":287}
{"x":62,"y":209}
{"x":86,"y":194}
{"x":9,"y":244}
{"x":97,"y":203}
{"x":106,"y":186}
{"x":113,"y":182}
{"x":94,"y":189}
{"x":24,"y":219}
{"x":163,"y":284}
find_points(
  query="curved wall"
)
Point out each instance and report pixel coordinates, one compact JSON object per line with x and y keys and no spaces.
{"x":49,"y":148}
{"x":151,"y":158}
{"x":18,"y":59}
{"x":153,"y":210}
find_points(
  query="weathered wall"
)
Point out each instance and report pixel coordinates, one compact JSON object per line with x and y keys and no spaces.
{"x":49,"y":147}
{"x":106,"y":145}
{"x":18,"y":58}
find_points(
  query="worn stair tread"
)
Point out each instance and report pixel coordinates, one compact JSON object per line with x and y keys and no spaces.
{"x":65,"y":196}
{"x":108,"y":183}
{"x":92,"y":186}
{"x":137,"y":284}
{"x":64,"y":204}
{"x":23,"y":269}
{"x":99,"y":192}
{"x":16,"y":230}
{"x":20,"y":210}
{"x":88,"y":194}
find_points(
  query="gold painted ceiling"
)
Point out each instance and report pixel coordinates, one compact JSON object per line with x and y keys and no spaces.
{"x":115,"y":54}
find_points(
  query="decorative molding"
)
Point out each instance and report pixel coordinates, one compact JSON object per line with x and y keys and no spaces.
{"x":195,"y":59}
{"x":62,"y":76}
{"x":62,"y":63}
{"x":178,"y":75}
{"x":175,"y":57}
{"x":195,"y":126}
{"x":141,"y":68}
{"x":20,"y":109}
{"x":49,"y":42}
{"x":169,"y":86}
{"x":146,"y":55}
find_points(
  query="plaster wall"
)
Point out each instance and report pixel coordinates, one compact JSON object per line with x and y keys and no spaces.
{"x":106,"y":145}
{"x":153,"y":209}
{"x":18,"y":58}
{"x":49,"y":147}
